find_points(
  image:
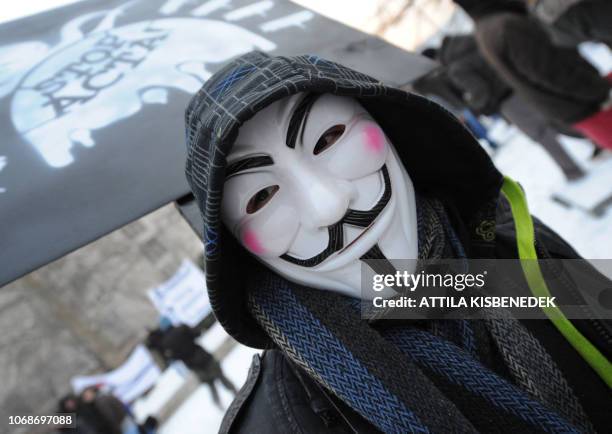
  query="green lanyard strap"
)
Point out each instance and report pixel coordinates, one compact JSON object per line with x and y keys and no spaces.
{"x":525,"y":240}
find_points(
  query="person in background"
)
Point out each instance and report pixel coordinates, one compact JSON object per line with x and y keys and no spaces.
{"x":555,"y":80}
{"x":481,"y":87}
{"x":103,"y":411}
{"x":149,"y":426}
{"x":571,"y":22}
{"x":485,"y":93}
{"x":153,"y":343}
{"x":438,"y":86}
{"x":71,"y":404}
{"x":179,"y":343}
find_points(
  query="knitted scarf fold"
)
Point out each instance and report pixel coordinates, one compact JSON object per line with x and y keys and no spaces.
{"x":443,"y":376}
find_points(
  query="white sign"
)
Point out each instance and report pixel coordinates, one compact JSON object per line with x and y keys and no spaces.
{"x":89,"y":80}
{"x":183,"y":298}
{"x":130,"y":380}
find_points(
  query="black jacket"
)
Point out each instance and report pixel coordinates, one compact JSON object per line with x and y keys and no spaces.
{"x":555,"y":80}
{"x":178,"y":343}
{"x":279,"y":398}
{"x":465,"y":79}
{"x":482,"y":89}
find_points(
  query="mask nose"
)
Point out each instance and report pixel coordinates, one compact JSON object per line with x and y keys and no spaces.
{"x":324,"y":200}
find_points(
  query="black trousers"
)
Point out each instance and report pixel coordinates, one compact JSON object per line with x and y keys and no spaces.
{"x":209,"y":371}
{"x":539,"y":129}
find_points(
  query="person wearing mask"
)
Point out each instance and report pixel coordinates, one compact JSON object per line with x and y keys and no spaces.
{"x":304,"y":170}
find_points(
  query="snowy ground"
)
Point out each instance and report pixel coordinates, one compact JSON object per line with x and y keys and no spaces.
{"x":198,"y":414}
{"x":527,"y":163}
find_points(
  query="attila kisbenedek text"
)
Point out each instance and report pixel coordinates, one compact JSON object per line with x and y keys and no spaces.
{"x":459,"y":282}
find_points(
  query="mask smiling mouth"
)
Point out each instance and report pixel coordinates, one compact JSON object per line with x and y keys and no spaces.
{"x":355,"y":240}
{"x":358,"y":218}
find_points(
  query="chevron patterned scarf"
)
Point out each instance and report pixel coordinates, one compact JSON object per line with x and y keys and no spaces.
{"x":442,"y":376}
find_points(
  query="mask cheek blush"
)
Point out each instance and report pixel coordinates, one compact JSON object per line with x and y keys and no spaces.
{"x":270,"y":233}
{"x":374,"y":138}
{"x":252,"y":241}
{"x":362,"y":151}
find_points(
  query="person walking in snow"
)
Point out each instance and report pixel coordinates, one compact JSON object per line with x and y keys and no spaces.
{"x":555,"y":80}
{"x":179,"y":343}
{"x":486,"y":94}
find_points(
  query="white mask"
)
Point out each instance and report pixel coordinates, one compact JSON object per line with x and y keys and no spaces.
{"x":312,"y":187}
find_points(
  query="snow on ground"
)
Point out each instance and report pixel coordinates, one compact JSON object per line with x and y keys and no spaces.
{"x":528,"y":163}
{"x":198,"y":414}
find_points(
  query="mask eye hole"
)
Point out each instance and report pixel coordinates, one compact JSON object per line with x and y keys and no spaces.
{"x":329,"y":137}
{"x":261,"y":198}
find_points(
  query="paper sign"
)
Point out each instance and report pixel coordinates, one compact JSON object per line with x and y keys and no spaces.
{"x":183,"y":298}
{"x":130,"y":380}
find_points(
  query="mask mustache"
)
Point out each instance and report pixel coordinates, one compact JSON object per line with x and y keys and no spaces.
{"x":362,"y":219}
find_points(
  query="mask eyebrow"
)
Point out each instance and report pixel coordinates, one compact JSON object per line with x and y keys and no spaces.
{"x":299,"y":118}
{"x":246,"y":164}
